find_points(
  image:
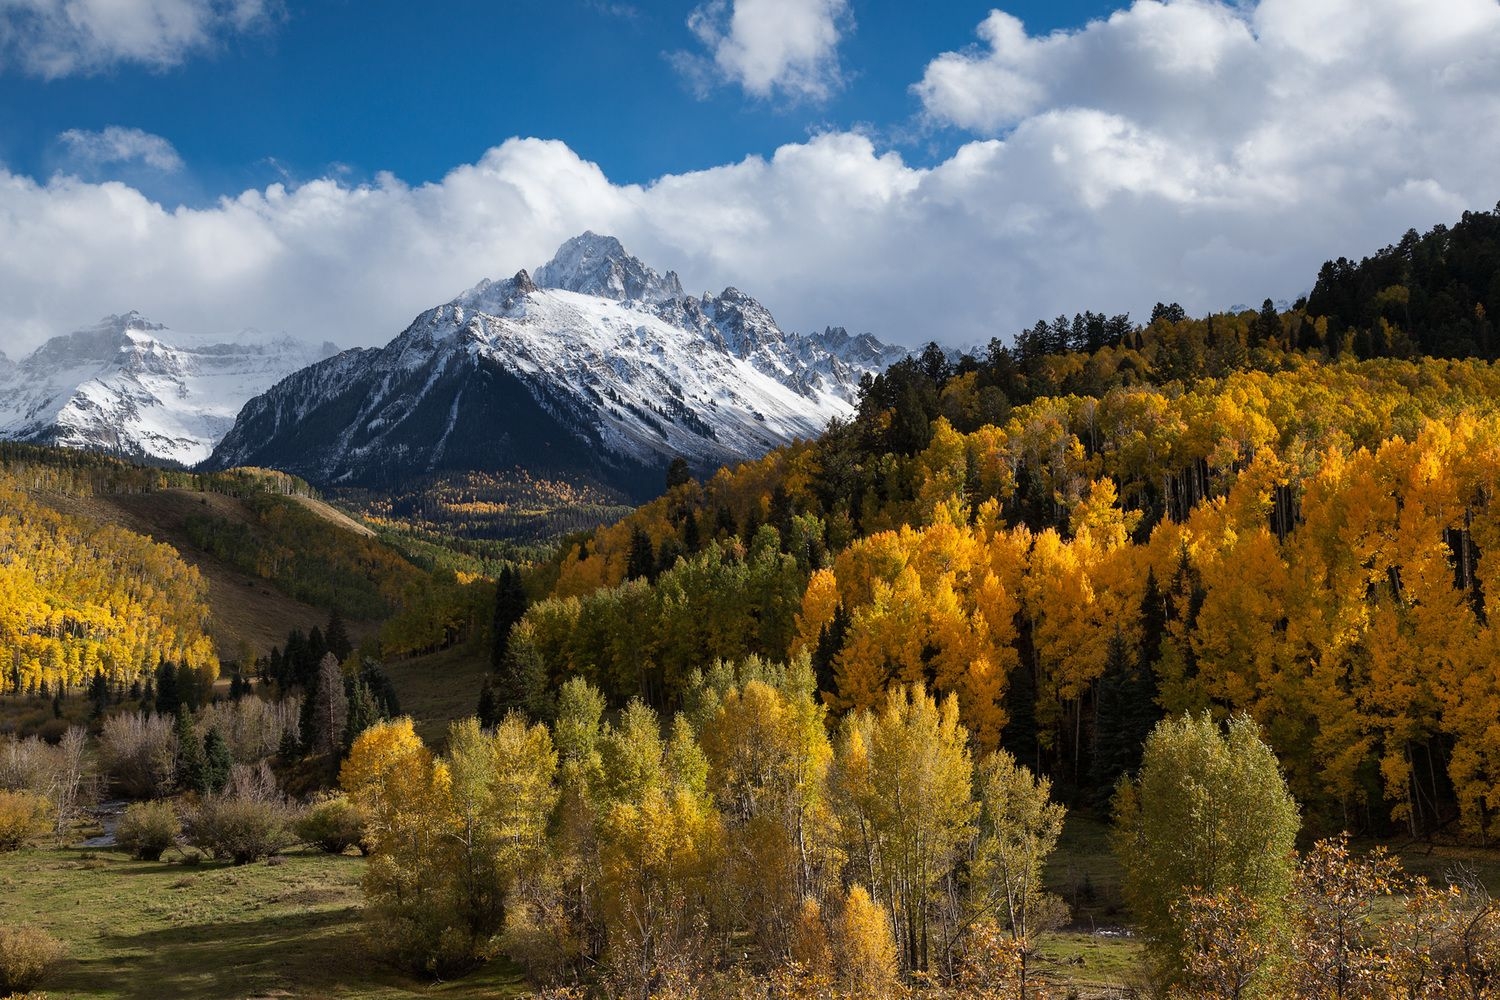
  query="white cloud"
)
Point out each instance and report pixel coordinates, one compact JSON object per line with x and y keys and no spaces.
{"x":115,"y":144}
{"x":1105,"y":193}
{"x":58,"y":38}
{"x":769,"y":47}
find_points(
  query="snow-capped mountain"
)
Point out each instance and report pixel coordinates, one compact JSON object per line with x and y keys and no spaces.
{"x":132,"y":387}
{"x":598,"y":367}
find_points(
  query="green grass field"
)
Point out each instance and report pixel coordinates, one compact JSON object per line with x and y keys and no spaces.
{"x":212,"y":931}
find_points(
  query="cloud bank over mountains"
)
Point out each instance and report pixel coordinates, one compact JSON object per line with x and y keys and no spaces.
{"x":1206,"y":152}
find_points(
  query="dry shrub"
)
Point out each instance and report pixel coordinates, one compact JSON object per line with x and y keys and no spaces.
{"x":24,"y":816}
{"x":28,"y":955}
{"x":139,"y":754}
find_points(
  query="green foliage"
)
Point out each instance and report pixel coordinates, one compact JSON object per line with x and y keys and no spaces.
{"x":295,"y":550}
{"x":147,"y":829}
{"x":217,"y":761}
{"x":248,"y":821}
{"x":333,"y":823}
{"x":1209,"y":813}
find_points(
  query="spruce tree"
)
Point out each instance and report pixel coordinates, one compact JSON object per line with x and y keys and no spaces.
{"x":191,"y":775}
{"x":488,"y":711}
{"x":217,"y":761}
{"x":168,"y":697}
{"x":364,"y":711}
{"x":642,"y":561}
{"x":337,"y":637}
{"x":510,"y":606}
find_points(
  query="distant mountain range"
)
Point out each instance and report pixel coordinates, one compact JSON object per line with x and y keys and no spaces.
{"x":131,"y":387}
{"x":597,"y":368}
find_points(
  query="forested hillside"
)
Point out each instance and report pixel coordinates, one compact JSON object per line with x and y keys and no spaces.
{"x":1102,"y":524}
{"x":114,"y":567}
{"x":79,"y":599}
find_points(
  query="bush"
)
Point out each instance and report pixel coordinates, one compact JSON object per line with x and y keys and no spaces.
{"x":248,"y":821}
{"x":139,"y":753}
{"x":335,"y":824}
{"x":24,"y":816}
{"x":147,"y":829}
{"x":27,"y":956}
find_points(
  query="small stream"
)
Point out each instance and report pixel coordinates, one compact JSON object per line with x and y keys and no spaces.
{"x":108,"y":814}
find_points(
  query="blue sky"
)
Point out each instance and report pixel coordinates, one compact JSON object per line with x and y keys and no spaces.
{"x":944,"y":171}
{"x":415,"y":89}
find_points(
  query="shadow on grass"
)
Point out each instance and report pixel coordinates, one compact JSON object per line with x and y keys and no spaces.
{"x":295,"y":952}
{"x":311,"y":953}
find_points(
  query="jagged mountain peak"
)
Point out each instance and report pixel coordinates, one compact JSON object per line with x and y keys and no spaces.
{"x":600,"y":265}
{"x":594,"y":367}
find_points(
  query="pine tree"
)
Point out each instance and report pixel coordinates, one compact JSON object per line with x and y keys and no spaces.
{"x":678,"y":473}
{"x":289,"y":748}
{"x":830,"y":642}
{"x":168,"y":697}
{"x":510,"y":607}
{"x":364,"y":711}
{"x":337,"y":637}
{"x":98,"y":695}
{"x":489,"y":711}
{"x":191,"y":774}
{"x":217,"y":761}
{"x":642,"y":561}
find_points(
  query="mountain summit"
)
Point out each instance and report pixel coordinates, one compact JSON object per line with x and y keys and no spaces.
{"x":593,"y":367}
{"x":600,"y":265}
{"x":132,"y":387}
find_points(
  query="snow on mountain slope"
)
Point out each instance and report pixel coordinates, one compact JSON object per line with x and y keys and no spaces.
{"x":599,"y":367}
{"x":132,"y":387}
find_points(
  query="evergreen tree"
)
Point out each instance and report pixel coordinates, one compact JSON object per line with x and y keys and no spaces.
{"x":374,"y":678}
{"x":98,"y":695}
{"x":1125,"y":712}
{"x":510,"y":607}
{"x":642,"y":561}
{"x":290,"y":747}
{"x":337,"y":637}
{"x":489,"y":711}
{"x":691,"y":537}
{"x":168,"y":697}
{"x":830,"y":642}
{"x":217,"y":761}
{"x":191,"y":774}
{"x":678,"y":473}
{"x":364,"y":710}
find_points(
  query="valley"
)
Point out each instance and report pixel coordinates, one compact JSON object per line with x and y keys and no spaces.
{"x":471,"y":666}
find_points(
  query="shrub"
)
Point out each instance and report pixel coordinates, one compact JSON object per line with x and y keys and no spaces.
{"x":147,"y":829}
{"x":248,"y":821}
{"x":24,"y":816}
{"x":27,"y":956}
{"x":335,"y":824}
{"x":139,"y":753}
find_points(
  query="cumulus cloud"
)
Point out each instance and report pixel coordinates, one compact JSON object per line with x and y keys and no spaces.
{"x":116,"y":144}
{"x":1268,"y":155}
{"x":58,"y":38}
{"x":785,"y":48}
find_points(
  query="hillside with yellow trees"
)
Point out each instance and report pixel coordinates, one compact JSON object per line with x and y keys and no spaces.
{"x":1302,"y":539}
{"x":77,"y":599}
